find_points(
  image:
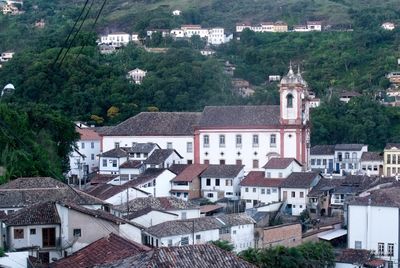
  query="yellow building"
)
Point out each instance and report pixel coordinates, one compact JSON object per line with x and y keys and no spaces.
{"x":280,"y":26}
{"x":391,"y":164}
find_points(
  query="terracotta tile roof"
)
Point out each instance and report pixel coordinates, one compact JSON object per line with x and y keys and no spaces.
{"x":322,"y":150}
{"x":210,"y":208}
{"x":222,"y":171}
{"x":388,"y":197}
{"x":372,"y":156}
{"x":100,"y":214}
{"x":190,"y":173}
{"x":159,"y":156}
{"x":33,"y":182}
{"x":157,"y":124}
{"x":349,"y":255}
{"x":39,"y":214}
{"x":142,"y":147}
{"x":106,"y":191}
{"x":348,"y":147}
{"x":147,"y":176}
{"x":257,"y":179}
{"x":182,"y":227}
{"x":280,"y":163}
{"x":131,"y":164}
{"x":240,"y":116}
{"x":299,"y":180}
{"x":191,"y":256}
{"x":349,"y":94}
{"x":324,"y":185}
{"x":158,"y":203}
{"x":29,"y":191}
{"x":178,"y":168}
{"x":88,"y":134}
{"x":115,"y":153}
{"x":391,"y":145}
{"x":375,"y":263}
{"x":354,"y":184}
{"x":102,"y":178}
{"x":105,"y":250}
{"x":102,"y":130}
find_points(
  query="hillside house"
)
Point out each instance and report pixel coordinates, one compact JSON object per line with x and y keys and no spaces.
{"x":391,"y":163}
{"x":187,"y":184}
{"x":137,"y":75}
{"x":372,"y":163}
{"x":295,"y":188}
{"x":238,"y":229}
{"x":314,"y":26}
{"x":388,"y":26}
{"x":221,"y":181}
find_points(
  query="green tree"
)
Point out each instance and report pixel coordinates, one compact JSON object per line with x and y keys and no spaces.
{"x":225,"y":245}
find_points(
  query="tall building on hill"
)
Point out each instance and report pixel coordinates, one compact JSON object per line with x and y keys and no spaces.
{"x":251,"y":135}
{"x":234,"y":135}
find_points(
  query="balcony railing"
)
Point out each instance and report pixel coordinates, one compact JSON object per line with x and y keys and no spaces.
{"x":347,"y":160}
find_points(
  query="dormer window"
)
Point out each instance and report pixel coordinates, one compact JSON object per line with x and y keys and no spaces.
{"x":289,"y":101}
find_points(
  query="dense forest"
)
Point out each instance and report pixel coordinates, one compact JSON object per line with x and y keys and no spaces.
{"x":85,"y":85}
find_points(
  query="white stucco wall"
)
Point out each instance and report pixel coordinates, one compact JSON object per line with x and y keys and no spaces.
{"x":242,"y":237}
{"x":372,"y":225}
{"x":154,"y":217}
{"x":298,"y":203}
{"x":271,"y":194}
{"x":123,"y":197}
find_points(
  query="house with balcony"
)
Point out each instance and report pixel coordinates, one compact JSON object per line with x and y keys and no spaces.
{"x":319,"y":198}
{"x":54,"y":230}
{"x":348,"y":157}
{"x":352,"y":186}
{"x":237,"y":229}
{"x":295,"y":189}
{"x":221,"y":181}
{"x":187,"y":184}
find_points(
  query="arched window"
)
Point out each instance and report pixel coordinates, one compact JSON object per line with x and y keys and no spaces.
{"x":289,"y":101}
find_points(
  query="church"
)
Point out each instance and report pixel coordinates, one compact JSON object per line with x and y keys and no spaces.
{"x":242,"y":135}
{"x":251,"y":135}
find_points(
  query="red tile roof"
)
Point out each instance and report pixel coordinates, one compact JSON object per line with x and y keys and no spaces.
{"x":257,"y":178}
{"x":280,"y":163}
{"x":102,"y":178}
{"x":105,"y":250}
{"x":88,"y":134}
{"x":190,"y":173}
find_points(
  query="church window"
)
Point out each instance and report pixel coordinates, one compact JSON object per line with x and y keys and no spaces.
{"x":273,"y":140}
{"x":206,"y":141}
{"x":289,"y":99}
{"x":221,"y":140}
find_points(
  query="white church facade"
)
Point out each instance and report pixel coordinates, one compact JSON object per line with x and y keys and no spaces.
{"x":241,"y":135}
{"x":251,"y":135}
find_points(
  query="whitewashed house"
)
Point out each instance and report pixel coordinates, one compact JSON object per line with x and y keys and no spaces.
{"x":241,"y":26}
{"x":150,"y":211}
{"x":135,"y":37}
{"x":177,"y":33}
{"x":300,"y":28}
{"x":372,"y":163}
{"x":84,"y":159}
{"x":314,"y":26}
{"x":116,"y":194}
{"x":190,"y":30}
{"x":388,"y":26}
{"x":137,"y":75}
{"x":116,"y":39}
{"x":6,"y":56}
{"x":348,"y":157}
{"x":322,"y":158}
{"x":163,"y":158}
{"x":267,"y":26}
{"x":63,"y":226}
{"x":374,"y":224}
{"x":281,"y":167}
{"x":256,"y":189}
{"x":167,"y":129}
{"x":176,"y":12}
{"x":216,"y":36}
{"x":221,"y":181}
{"x":295,"y":188}
{"x":237,"y":229}
{"x":187,"y":184}
{"x":111,"y":160}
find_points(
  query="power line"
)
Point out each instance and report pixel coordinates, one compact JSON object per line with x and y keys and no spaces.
{"x":93,"y":27}
{"x":76,"y":33}
{"x":70,"y":32}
